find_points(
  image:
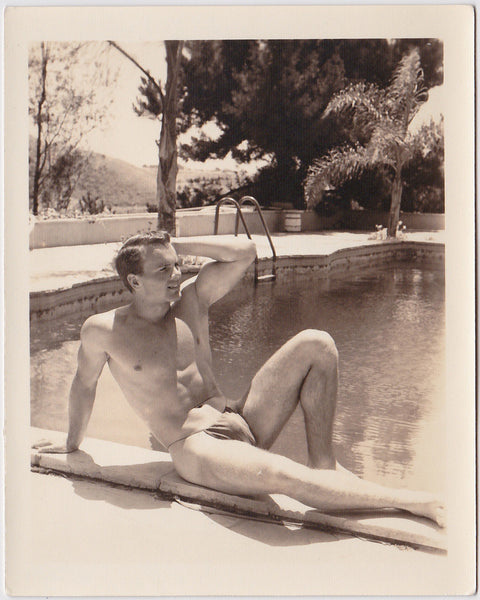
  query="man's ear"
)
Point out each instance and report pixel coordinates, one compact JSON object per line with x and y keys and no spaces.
{"x":133,"y":281}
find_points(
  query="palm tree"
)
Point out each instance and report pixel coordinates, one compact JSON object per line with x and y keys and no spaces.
{"x":382,"y":117}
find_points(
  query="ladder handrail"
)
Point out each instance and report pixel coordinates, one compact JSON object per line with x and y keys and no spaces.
{"x":239,"y":215}
{"x":253,"y":201}
{"x":230,"y":200}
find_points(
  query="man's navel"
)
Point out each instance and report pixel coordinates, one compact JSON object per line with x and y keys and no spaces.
{"x":137,"y":367}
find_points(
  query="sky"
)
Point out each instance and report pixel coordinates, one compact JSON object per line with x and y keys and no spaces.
{"x":432,"y":109}
{"x":128,"y":136}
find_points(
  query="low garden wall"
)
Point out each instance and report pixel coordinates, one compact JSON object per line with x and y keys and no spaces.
{"x":201,"y":222}
{"x":98,"y":230}
{"x":365,"y":220}
{"x":193,"y":222}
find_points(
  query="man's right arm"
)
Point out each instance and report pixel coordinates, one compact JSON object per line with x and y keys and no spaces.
{"x":91,"y":360}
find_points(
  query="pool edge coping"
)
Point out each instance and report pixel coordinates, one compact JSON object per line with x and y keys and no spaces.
{"x":73,"y":292}
{"x":142,"y":475}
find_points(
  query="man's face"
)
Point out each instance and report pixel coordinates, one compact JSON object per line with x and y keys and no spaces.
{"x":160,"y":279}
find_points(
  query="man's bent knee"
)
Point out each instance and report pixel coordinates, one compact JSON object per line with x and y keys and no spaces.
{"x":316,"y":343}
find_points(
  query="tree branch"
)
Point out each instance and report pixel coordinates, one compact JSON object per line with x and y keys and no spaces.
{"x":144,"y":71}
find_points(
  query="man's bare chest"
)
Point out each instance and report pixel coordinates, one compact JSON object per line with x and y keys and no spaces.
{"x":152,"y":351}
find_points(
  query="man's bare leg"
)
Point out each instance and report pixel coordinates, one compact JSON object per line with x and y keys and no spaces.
{"x":238,"y":468}
{"x":305,"y":371}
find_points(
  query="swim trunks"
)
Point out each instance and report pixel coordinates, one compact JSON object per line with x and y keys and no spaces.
{"x":231,"y":426}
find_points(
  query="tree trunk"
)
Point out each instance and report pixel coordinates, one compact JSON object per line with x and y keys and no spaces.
{"x":394,"y":215}
{"x":167,"y":146}
{"x":38,"y":169}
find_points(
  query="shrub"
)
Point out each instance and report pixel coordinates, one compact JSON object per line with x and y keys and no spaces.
{"x":429,"y":199}
{"x":91,"y":205}
{"x":191,"y":196}
{"x":278,"y":184}
{"x":331,"y":204}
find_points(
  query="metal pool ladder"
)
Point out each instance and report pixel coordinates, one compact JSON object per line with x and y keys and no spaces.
{"x":239,"y":217}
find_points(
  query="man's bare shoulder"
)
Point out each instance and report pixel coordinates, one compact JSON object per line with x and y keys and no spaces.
{"x":101,"y":324}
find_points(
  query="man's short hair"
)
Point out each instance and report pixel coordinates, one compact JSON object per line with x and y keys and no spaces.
{"x":131,"y":255}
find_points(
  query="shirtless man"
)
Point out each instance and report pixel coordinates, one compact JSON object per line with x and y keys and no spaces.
{"x":158,"y":350}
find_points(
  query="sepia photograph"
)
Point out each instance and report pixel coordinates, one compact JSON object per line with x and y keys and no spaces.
{"x":240,"y":302}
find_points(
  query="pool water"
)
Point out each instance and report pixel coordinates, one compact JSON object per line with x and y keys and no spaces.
{"x":389,"y":327}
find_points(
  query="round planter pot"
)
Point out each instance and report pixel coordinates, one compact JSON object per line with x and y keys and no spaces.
{"x":293,"y":220}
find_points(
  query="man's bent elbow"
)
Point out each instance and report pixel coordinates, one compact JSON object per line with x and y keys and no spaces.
{"x":250,"y":250}
{"x":241,"y":250}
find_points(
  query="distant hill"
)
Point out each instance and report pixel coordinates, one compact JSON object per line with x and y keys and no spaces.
{"x":127,"y":188}
{"x":117,"y":182}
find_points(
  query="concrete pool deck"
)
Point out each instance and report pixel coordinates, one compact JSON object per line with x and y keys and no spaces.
{"x":127,"y":540}
{"x":62,"y":267}
{"x":94,"y":539}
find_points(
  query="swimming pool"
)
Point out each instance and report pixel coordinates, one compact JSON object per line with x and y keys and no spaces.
{"x":389,"y":327}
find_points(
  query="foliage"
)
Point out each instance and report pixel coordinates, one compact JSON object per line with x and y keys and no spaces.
{"x":267,"y":98}
{"x":424,"y":175}
{"x":370,"y":189}
{"x":91,"y":205}
{"x":151,"y":105}
{"x":63,"y":176}
{"x":66,"y":102}
{"x":331,"y":204}
{"x":422,"y":180}
{"x":429,"y":199}
{"x":378,"y":119}
{"x":48,"y":214}
{"x":199,"y":192}
{"x":275,"y":184}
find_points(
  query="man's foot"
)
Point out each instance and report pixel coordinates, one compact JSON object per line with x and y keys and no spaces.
{"x":428,"y":507}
